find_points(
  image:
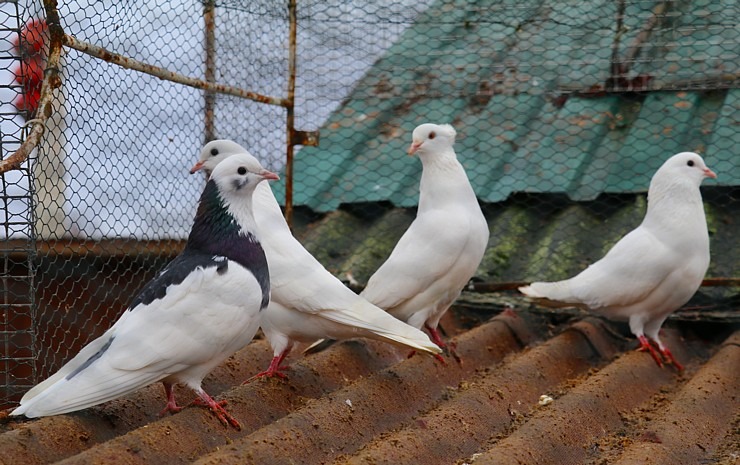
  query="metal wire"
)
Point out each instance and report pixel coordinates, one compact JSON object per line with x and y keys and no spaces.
{"x":546,"y":100}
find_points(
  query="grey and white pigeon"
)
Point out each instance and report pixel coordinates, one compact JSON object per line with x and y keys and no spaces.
{"x":308,"y":302}
{"x":654,"y":269}
{"x":442,"y":248}
{"x":200,"y":309}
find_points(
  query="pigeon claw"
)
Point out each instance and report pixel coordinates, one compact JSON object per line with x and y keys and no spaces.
{"x":269,"y":373}
{"x":452,"y":350}
{"x":662,"y":355}
{"x":201,"y":403}
{"x":218,"y":409}
{"x":171,"y":406}
{"x":447,"y":348}
{"x":225,"y":417}
{"x":274,"y":370}
{"x":440,"y":359}
{"x":671,"y":359}
{"x":645,"y":346}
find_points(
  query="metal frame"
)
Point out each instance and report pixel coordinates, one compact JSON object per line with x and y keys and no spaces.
{"x":24,"y":253}
{"x":53,"y":81}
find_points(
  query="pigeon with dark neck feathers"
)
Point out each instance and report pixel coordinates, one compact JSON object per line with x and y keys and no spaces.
{"x":307,"y":302}
{"x":200,"y":309}
{"x":654,"y":269}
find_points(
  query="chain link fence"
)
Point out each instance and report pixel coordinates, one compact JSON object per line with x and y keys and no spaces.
{"x":556,"y":104}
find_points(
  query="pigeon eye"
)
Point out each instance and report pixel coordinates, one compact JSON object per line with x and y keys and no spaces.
{"x":242,"y":170}
{"x":690,"y":162}
{"x":214,"y":152}
{"x":432,"y":135}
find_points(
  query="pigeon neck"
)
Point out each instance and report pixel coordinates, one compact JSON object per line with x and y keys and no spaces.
{"x":218,"y":222}
{"x":443,"y":180}
{"x":676,"y":204}
{"x":666,"y":193}
{"x":267,"y":211}
{"x":227,"y":229}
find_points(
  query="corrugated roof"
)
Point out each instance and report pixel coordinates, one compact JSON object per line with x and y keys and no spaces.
{"x":525,"y":86}
{"x":366,"y":402}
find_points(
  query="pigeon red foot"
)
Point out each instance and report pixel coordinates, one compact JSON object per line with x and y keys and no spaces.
{"x":217,"y":408}
{"x":670,"y":358}
{"x":646,"y":346}
{"x":275,"y":370}
{"x":448,"y":348}
{"x":438,"y":357}
{"x":171,"y":406}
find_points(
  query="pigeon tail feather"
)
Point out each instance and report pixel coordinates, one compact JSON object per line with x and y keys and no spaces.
{"x":383,"y":326}
{"x":560,"y":291}
{"x":415,"y":343}
{"x":319,"y":346}
{"x":78,"y":360}
{"x":88,"y":388}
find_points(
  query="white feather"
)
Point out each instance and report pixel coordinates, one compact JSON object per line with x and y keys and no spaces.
{"x":443,"y":246}
{"x":657,"y":267}
{"x":178,"y":337}
{"x":307,"y":301}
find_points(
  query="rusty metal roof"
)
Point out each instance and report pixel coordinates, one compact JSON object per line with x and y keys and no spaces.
{"x":534,"y":387}
{"x":520,"y":144}
{"x":538,"y":108}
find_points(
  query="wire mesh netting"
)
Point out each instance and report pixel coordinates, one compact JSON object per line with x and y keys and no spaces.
{"x":563,"y":112}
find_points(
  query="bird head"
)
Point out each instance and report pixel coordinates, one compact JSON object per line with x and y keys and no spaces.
{"x":686,"y":165}
{"x":214,"y":153}
{"x":432,"y":137}
{"x":239,"y":174}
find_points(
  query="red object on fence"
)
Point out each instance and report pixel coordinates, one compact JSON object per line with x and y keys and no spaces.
{"x":30,"y":73}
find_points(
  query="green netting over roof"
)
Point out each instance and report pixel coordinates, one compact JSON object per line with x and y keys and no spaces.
{"x":524,"y":85}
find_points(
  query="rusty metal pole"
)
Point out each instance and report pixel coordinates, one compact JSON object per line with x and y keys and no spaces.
{"x":209,"y":16}
{"x":290,"y":117}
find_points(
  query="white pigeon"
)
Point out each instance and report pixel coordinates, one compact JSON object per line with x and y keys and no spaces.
{"x":443,"y":246}
{"x":307,"y":302}
{"x":655,"y":268}
{"x":199,"y":310}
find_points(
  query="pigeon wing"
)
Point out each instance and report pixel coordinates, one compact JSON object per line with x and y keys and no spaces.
{"x":154,"y":339}
{"x":423,"y":255}
{"x":627,"y":274}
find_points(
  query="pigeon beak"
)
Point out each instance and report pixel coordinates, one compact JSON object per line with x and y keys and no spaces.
{"x":709,"y":173}
{"x":414,"y":147}
{"x":269,"y":175}
{"x":196,"y":167}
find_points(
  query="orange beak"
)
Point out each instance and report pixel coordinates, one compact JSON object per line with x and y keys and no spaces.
{"x":709,"y":173}
{"x":414,"y":147}
{"x":196,"y":167}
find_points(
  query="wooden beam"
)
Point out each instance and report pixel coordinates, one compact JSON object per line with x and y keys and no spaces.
{"x":108,"y":248}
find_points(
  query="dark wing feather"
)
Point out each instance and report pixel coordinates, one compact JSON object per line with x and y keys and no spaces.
{"x":176,"y":272}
